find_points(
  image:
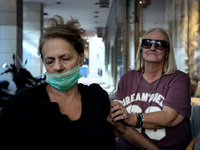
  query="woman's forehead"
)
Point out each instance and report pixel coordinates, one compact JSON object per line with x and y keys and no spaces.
{"x":157,"y":35}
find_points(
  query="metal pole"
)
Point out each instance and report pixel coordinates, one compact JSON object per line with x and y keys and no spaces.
{"x":141,"y":18}
{"x":126,"y":34}
{"x":137,"y":25}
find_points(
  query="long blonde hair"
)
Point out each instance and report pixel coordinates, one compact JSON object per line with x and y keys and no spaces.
{"x":169,"y":66}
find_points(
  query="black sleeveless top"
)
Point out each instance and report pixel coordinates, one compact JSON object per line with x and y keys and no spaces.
{"x":30,"y":117}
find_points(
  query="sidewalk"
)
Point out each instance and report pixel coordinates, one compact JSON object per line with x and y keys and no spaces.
{"x":91,"y":79}
{"x":99,"y":80}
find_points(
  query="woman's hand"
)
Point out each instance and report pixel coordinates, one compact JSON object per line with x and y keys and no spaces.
{"x":118,"y":126}
{"x":120,"y":119}
{"x":119,"y":113}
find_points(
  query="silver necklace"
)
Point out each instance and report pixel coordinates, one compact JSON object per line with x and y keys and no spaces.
{"x":153,"y":86}
{"x":158,"y":82}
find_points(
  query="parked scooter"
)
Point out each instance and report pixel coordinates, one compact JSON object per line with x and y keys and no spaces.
{"x":5,"y":94}
{"x":21,"y":77}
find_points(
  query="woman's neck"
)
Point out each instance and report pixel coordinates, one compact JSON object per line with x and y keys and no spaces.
{"x":71,"y":94}
{"x":152,"y":72}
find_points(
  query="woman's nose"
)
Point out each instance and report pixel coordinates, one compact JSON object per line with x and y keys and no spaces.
{"x":152,"y":46}
{"x":58,"y":66}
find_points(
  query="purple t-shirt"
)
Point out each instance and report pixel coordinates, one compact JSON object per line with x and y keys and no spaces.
{"x":137,"y":95}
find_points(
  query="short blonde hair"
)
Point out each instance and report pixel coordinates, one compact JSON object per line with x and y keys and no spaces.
{"x":170,"y":63}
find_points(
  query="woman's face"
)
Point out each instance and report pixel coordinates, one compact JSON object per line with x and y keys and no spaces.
{"x":60,"y":56}
{"x":153,"y":54}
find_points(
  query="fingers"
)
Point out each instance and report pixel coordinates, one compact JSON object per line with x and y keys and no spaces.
{"x":118,"y":111}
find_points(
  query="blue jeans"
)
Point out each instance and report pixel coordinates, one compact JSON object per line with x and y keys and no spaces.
{"x":197,"y":142}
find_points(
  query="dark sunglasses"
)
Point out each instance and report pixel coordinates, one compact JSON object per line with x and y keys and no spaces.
{"x":159,"y":44}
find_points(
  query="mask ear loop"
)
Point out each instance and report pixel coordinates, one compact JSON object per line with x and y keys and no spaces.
{"x":79,"y":60}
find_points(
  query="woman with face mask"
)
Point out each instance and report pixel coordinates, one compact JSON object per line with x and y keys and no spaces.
{"x":61,"y":112}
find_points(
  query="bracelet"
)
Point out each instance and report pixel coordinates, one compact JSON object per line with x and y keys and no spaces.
{"x":140,"y":120}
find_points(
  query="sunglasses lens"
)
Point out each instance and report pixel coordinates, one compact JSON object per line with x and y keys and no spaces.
{"x":146,"y":43}
{"x":161,"y":45}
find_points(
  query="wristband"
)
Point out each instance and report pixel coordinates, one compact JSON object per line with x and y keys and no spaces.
{"x":140,"y":120}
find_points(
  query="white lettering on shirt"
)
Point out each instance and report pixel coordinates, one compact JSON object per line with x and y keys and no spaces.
{"x":144,"y":97}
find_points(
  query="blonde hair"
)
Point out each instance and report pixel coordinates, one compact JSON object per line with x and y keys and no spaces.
{"x":169,"y":66}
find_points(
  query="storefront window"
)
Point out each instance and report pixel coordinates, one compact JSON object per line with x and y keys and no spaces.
{"x":180,"y":18}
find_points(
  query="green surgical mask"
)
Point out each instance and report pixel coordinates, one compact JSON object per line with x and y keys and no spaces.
{"x":64,"y":81}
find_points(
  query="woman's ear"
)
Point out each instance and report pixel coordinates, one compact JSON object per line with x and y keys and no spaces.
{"x":81,"y":59}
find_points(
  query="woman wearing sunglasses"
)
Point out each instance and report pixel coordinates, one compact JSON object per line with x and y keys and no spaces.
{"x":152,"y":101}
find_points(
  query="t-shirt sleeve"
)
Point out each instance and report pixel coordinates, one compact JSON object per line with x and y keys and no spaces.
{"x":102,"y":96}
{"x":103,"y":101}
{"x":178,"y":95}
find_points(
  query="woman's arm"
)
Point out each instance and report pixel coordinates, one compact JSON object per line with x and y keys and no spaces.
{"x":167,"y":117}
{"x":136,"y":138}
{"x":132,"y":136}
